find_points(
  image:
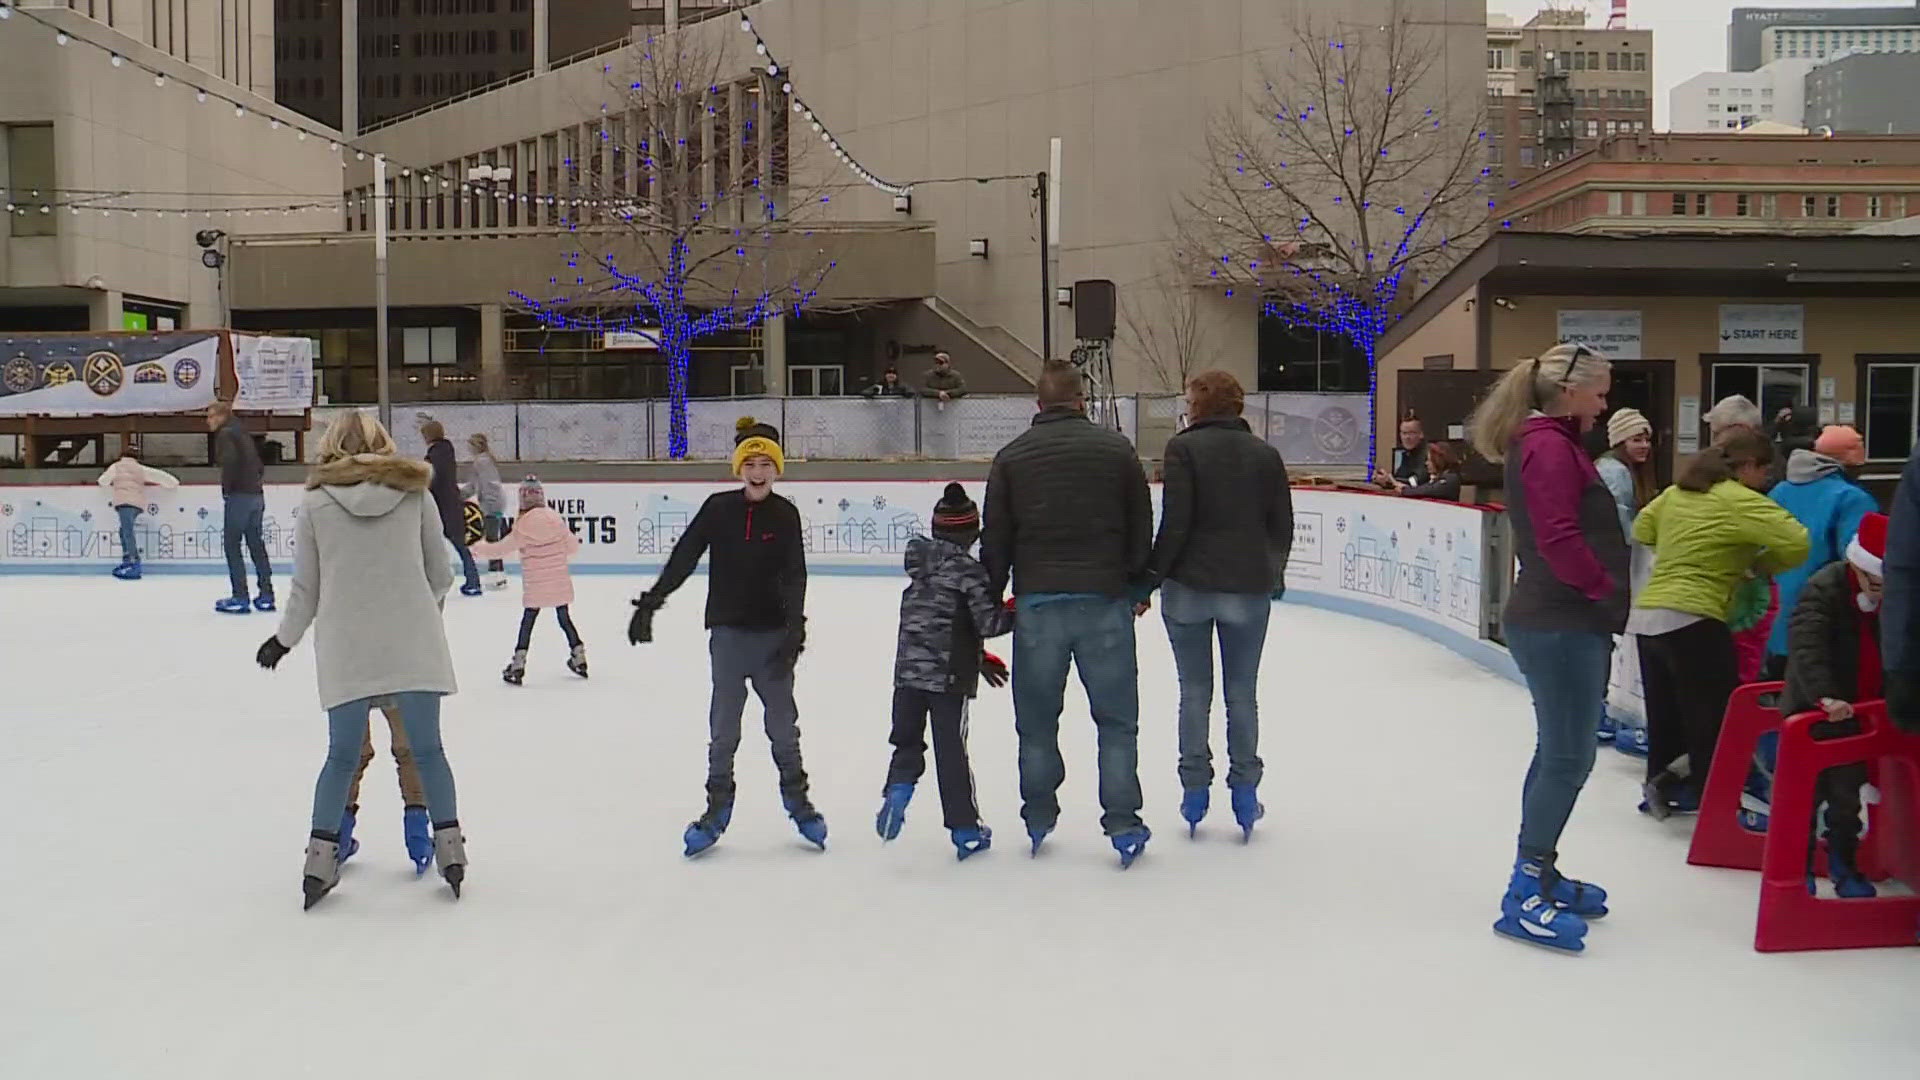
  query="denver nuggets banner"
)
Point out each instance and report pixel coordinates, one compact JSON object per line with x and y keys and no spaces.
{"x":107,"y":375}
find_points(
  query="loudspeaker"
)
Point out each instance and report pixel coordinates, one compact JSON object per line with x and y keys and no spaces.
{"x":1095,"y":308}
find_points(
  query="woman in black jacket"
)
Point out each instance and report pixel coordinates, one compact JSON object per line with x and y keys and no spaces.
{"x":1443,"y":465}
{"x":1226,"y":526}
{"x":446,"y":496}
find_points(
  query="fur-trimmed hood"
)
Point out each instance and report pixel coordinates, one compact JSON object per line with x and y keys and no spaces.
{"x":370,"y":485}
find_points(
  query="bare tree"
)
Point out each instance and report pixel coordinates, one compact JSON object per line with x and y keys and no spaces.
{"x":1349,"y":179}
{"x":688,"y":206}
{"x":1163,"y":323}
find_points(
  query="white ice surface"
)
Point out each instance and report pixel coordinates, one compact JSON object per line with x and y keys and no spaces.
{"x":154,"y":795}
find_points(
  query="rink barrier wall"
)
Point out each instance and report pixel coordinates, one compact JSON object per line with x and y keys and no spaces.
{"x":1411,"y":563}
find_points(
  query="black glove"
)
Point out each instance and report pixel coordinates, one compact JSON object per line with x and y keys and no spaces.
{"x":792,"y":646}
{"x":271,"y":652}
{"x":993,"y":670}
{"x":1902,"y":691}
{"x":640,"y":627}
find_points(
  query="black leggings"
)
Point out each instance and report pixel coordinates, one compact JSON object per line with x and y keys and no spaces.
{"x":529,"y":616}
{"x":1687,"y":677}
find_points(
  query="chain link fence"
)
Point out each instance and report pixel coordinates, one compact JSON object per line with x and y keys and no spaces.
{"x":1326,"y":431}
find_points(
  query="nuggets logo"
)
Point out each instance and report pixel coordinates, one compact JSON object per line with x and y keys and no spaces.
{"x":105,"y":373}
{"x":149,"y":373}
{"x":59,"y":374}
{"x":186,"y":373}
{"x":475,"y":523}
{"x":19,"y":375}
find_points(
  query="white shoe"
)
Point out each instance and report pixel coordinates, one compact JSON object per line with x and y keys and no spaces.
{"x":497,"y":581}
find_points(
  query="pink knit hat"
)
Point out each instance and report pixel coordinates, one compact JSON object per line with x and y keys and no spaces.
{"x":1842,"y":444}
{"x":532,"y":494}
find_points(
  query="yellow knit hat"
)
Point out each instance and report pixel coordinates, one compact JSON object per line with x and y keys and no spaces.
{"x":753,"y":438}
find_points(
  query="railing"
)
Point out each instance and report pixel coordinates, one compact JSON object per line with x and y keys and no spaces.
{"x":1325,"y":431}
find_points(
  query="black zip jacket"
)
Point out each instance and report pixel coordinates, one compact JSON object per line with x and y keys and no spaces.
{"x":445,"y":488}
{"x":241,"y":469}
{"x":757,"y":575}
{"x":1823,"y":642}
{"x":1067,"y":511}
{"x":1226,"y":512}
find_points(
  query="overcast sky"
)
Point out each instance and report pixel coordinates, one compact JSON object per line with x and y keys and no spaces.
{"x":1689,"y":36}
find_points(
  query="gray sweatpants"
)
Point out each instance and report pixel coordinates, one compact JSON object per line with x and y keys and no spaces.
{"x":739,"y":657}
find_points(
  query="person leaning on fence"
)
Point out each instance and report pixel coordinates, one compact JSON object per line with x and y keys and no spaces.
{"x":1443,"y":466}
{"x":1409,"y":458}
{"x":943,"y":382}
{"x":889,"y":386}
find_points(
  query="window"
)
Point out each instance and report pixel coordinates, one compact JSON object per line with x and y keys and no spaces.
{"x":1807,"y":206}
{"x":1526,"y":58}
{"x":429,"y":345}
{"x":1766,"y":110}
{"x":1833,"y":206}
{"x":1614,"y":203}
{"x":1892,"y":410}
{"x":1579,"y":61}
{"x":30,"y":159}
{"x":1679,"y":204}
{"x":1713,"y":91}
{"x":1639,"y":61}
{"x":1613,"y":61}
{"x":1746,"y":91}
{"x":1713,"y":123}
{"x":1873,"y":206}
{"x":1527,"y":156}
{"x":1772,"y":386}
{"x":1700,"y":207}
{"x":816,"y":380}
{"x":1593,"y":61}
{"x":1766,"y":92}
{"x":1742,"y":206}
{"x":1593,"y":129}
{"x":1640,"y":204}
{"x":1768,"y":207}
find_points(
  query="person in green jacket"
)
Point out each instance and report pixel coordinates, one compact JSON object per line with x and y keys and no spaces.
{"x":1710,"y":532}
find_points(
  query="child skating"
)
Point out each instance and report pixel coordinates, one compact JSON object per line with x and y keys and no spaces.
{"x":126,"y":482}
{"x":414,"y":825}
{"x":756,"y":616}
{"x":484,"y":489}
{"x":946,"y":614}
{"x":545,"y":544}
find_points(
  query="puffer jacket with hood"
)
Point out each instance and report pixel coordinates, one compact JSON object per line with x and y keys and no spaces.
{"x":1818,"y":495}
{"x":946,"y":613}
{"x":370,"y":573}
{"x":545,"y":544}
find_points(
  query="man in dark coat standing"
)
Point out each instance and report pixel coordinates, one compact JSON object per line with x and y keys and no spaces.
{"x":245,"y":501}
{"x":1069,"y":521}
{"x":446,"y":496}
{"x":1900,"y":607}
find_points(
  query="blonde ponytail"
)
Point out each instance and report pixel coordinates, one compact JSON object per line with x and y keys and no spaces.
{"x":1534,"y":384}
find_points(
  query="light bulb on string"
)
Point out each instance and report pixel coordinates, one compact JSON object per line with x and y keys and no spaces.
{"x":61,"y":38}
{"x":200,"y":96}
{"x":159,"y":79}
{"x":760,"y":47}
{"x":274,"y":124}
{"x":114,"y":59}
{"x":239,"y":110}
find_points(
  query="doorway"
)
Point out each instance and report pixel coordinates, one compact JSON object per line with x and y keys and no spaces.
{"x":1646,"y":385}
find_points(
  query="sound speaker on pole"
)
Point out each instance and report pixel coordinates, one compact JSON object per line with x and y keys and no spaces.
{"x":1095,"y":308}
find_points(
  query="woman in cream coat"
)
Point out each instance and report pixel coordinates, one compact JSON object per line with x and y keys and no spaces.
{"x":370,"y":575}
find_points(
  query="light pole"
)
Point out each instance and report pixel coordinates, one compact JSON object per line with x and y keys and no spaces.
{"x":380,"y":204}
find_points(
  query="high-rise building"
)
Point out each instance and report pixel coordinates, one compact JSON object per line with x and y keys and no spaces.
{"x":1865,"y":94}
{"x":1731,"y":100}
{"x":1557,"y":86}
{"x":1757,"y":36}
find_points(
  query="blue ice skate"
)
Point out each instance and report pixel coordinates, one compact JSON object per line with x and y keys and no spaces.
{"x":1608,"y":728}
{"x":969,"y":842}
{"x":893,"y":811}
{"x":233,"y":605}
{"x":1848,"y":882}
{"x":1631,"y":741}
{"x":1037,"y":835}
{"x":1541,"y":876}
{"x":1246,"y":808}
{"x":348,"y":845}
{"x":471,"y":588}
{"x":128,"y":570}
{"x":1131,"y":844}
{"x":1193,"y":807}
{"x":264,"y":601}
{"x":812,"y":826}
{"x":706,"y":832}
{"x":1534,"y":920}
{"x":419,"y":834}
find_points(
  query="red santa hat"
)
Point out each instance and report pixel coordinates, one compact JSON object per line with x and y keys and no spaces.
{"x":1869,"y":544}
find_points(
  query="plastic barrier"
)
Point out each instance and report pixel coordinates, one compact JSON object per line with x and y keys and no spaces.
{"x":1792,"y":919}
{"x":1718,"y":839}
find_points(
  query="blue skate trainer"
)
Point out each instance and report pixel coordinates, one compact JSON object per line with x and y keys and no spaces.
{"x":893,"y":811}
{"x":419,"y":835}
{"x":1543,"y":877}
{"x":969,"y":842}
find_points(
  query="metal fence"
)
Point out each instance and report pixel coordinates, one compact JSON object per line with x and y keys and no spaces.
{"x":1320,"y":430}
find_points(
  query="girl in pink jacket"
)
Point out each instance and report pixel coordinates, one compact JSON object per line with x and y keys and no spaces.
{"x":544,"y":543}
{"x":126,"y":481}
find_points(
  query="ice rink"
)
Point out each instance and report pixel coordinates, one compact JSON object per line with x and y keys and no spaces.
{"x":155,"y":787}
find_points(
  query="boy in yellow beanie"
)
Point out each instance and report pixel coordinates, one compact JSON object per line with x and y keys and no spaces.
{"x":756,"y":615}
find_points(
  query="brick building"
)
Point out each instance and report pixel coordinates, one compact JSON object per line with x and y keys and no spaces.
{"x":1556,"y":87}
{"x":1723,"y":184}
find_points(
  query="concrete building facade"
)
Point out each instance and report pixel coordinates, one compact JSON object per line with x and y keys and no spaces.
{"x":1865,"y":93}
{"x":1718,"y":101}
{"x":1757,"y":36}
{"x":117,"y":151}
{"x":1609,"y":74}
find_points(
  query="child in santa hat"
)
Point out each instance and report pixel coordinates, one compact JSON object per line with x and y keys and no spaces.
{"x":1833,"y":660}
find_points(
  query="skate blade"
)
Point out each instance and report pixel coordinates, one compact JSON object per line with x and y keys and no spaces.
{"x":455,"y":876}
{"x":312,"y":892}
{"x":1578,"y":946}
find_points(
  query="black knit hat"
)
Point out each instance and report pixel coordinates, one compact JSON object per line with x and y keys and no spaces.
{"x":955,"y":517}
{"x":747,"y":427}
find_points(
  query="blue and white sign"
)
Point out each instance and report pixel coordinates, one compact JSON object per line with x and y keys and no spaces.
{"x":1763,"y":328}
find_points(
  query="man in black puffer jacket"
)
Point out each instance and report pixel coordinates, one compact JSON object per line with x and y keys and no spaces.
{"x":1226,"y":529}
{"x":1069,"y":521}
{"x":446,"y":497}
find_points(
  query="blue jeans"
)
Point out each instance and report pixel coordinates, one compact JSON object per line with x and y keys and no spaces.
{"x":246,"y":515}
{"x":467,"y":566}
{"x":129,"y":544}
{"x":1566,"y":672}
{"x":1192,"y":618}
{"x":1096,"y":634}
{"x":347,"y":729}
{"x":496,"y":527}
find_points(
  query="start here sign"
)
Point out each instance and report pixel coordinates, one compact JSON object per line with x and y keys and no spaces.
{"x":1763,"y":328}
